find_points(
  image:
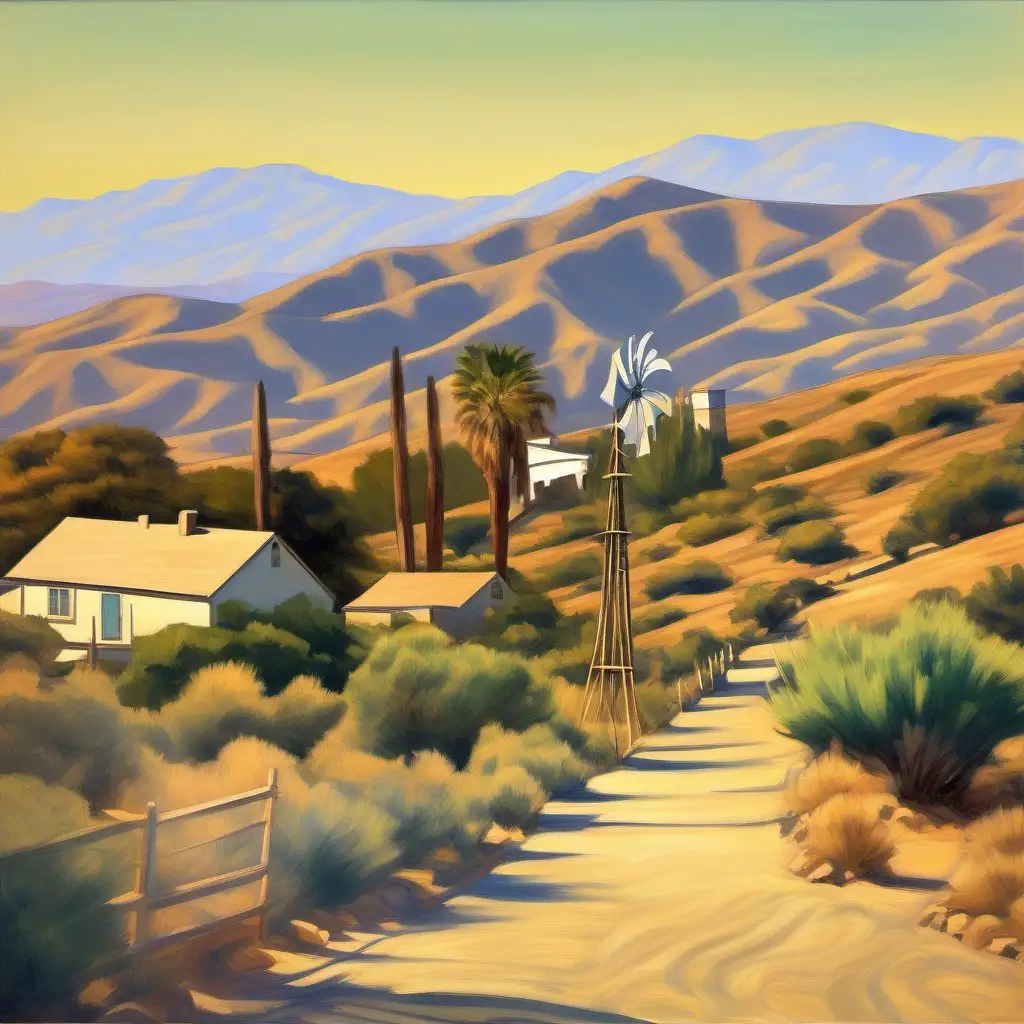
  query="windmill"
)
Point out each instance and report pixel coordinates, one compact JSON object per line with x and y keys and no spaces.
{"x":611,"y":691}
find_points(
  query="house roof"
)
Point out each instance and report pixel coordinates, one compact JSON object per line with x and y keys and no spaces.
{"x":399,"y":590}
{"x":124,"y":555}
{"x":541,"y":455}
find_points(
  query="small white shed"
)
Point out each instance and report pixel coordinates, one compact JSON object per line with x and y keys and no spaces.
{"x":127,"y":579}
{"x":453,"y":601}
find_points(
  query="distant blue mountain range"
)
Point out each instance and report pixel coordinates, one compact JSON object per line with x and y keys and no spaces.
{"x":230,"y":233}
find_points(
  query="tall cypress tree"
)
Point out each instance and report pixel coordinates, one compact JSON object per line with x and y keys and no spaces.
{"x":261,"y":458}
{"x":435,"y":482}
{"x":400,"y":448}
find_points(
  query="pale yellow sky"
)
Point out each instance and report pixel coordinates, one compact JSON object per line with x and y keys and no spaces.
{"x":465,"y":97}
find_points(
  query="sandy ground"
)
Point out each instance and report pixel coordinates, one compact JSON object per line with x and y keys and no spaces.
{"x":661,"y":894}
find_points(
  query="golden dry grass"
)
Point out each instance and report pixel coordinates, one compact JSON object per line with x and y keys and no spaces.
{"x":989,"y":883}
{"x":830,"y":775}
{"x":847,"y":832}
{"x":1002,"y":831}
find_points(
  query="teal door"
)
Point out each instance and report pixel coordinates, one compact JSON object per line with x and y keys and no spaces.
{"x":110,"y":614}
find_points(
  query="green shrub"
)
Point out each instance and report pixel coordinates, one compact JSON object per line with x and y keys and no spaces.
{"x":419,"y":691}
{"x":779,"y":496}
{"x":856,"y":396}
{"x":694,"y":645}
{"x":644,"y":522}
{"x":939,"y":411}
{"x":1014,"y":440}
{"x":720,"y":502}
{"x":30,"y":636}
{"x":705,"y":529}
{"x":764,"y":606}
{"x":511,"y":797}
{"x":749,"y":474}
{"x":550,"y":761}
{"x":936,"y":595}
{"x":463,"y":533}
{"x":685,"y":459}
{"x":971,"y":496}
{"x":572,"y":570}
{"x":1008,"y":389}
{"x":656,"y":704}
{"x":807,"y":591}
{"x":658,"y":553}
{"x":870,"y":434}
{"x":997,"y":603}
{"x":647,"y":620}
{"x":742,"y":442}
{"x":777,"y":519}
{"x":814,"y":543}
{"x":533,"y":625}
{"x":775,"y":428}
{"x":813,"y":453}
{"x":70,"y":734}
{"x":698,"y":577}
{"x":882,"y":480}
{"x":929,"y":699}
{"x":899,"y":540}
{"x":56,"y":931}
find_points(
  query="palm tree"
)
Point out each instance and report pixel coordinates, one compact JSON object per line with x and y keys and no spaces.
{"x":500,"y":406}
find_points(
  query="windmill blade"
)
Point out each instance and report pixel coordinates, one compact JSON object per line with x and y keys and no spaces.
{"x":618,"y":387}
{"x":656,"y":364}
{"x":647,"y":418}
{"x":629,"y":424}
{"x":641,"y":358}
{"x":661,"y":402}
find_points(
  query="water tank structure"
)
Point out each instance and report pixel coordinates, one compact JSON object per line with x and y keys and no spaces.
{"x":709,"y":412}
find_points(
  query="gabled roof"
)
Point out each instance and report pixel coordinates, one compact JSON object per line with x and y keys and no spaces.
{"x":399,"y":590}
{"x":127,"y":556}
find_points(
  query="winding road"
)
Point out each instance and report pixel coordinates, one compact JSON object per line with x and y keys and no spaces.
{"x":661,"y":894}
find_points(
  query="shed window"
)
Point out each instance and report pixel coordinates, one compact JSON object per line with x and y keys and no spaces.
{"x":59,"y":603}
{"x":275,"y":555}
{"x":497,"y":592}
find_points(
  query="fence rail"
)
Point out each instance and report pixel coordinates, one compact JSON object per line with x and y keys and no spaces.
{"x":144,"y":899}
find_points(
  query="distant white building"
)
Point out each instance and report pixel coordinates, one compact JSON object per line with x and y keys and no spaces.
{"x":127,"y":579}
{"x":709,"y":412}
{"x":453,"y":601}
{"x":553,"y":472}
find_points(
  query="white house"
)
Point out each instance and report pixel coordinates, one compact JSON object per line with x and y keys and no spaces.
{"x":126,"y":579}
{"x":554,"y":472}
{"x":454,"y":601}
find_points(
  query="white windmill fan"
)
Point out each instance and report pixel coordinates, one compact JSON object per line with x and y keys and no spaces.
{"x":637,"y":405}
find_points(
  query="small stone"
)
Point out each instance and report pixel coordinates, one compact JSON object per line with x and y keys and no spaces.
{"x":956,"y":924}
{"x":1006,"y":947}
{"x":305,"y":931}
{"x":823,"y":873}
{"x":800,"y":835}
{"x":934,"y":915}
{"x":250,"y":958}
{"x":981,"y":931}
{"x":848,"y":876}
{"x":800,"y":864}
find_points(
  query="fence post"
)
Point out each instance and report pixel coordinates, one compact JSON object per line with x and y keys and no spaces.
{"x":679,"y":691}
{"x":145,"y":879}
{"x":268,"y":825}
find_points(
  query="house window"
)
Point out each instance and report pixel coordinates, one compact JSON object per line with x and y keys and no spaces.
{"x":110,"y":616}
{"x":497,"y":592}
{"x":59,"y":603}
{"x":275,"y":555}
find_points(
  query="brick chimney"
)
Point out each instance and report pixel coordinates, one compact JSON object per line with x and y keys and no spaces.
{"x":187,"y":521}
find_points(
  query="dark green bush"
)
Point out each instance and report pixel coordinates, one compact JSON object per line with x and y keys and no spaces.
{"x":997,"y":603}
{"x":748,"y":474}
{"x":705,"y":529}
{"x":807,"y":591}
{"x":971,"y":496}
{"x":936,"y":595}
{"x":768,"y":608}
{"x":30,"y":636}
{"x":882,"y":480}
{"x":653,"y":617}
{"x":694,"y":645}
{"x":419,"y":691}
{"x":814,"y":543}
{"x":930,"y":699}
{"x":899,"y":540}
{"x":816,"y":452}
{"x":939,"y":411}
{"x":721,"y":502}
{"x":775,"y":428}
{"x":869,"y":434}
{"x":533,"y":625}
{"x":698,"y":577}
{"x":742,"y":442}
{"x":574,"y":569}
{"x":658,"y":553}
{"x":1008,"y":389}
{"x":856,"y":396}
{"x":777,"y":519}
{"x":778,"y":496}
{"x":463,"y":533}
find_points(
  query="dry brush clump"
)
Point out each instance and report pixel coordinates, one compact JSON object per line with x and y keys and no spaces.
{"x":832,"y":774}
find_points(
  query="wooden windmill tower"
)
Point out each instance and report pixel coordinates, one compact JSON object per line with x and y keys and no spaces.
{"x":611,"y":686}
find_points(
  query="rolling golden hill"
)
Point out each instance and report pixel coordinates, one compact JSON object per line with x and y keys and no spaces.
{"x":761,"y":297}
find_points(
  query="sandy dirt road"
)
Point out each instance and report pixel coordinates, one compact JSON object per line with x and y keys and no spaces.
{"x":661,"y":895}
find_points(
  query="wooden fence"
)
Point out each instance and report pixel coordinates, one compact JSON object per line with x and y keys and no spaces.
{"x":145,"y":898}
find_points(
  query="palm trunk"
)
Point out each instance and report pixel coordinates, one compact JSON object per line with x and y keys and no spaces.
{"x":261,"y":458}
{"x":400,"y":450}
{"x":435,"y":482}
{"x":499,"y":492}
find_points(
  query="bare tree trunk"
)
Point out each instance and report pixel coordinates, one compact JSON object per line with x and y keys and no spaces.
{"x":400,"y":450}
{"x":261,"y":458}
{"x":499,"y":490}
{"x":435,"y":482}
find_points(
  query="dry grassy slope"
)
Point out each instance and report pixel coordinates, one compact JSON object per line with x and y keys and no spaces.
{"x":819,"y":412}
{"x":760,"y":296}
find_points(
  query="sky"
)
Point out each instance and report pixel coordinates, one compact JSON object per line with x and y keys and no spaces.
{"x":463,"y":97}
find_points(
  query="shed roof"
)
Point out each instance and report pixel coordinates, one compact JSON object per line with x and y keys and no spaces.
{"x":399,"y":590}
{"x":124,"y":555}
